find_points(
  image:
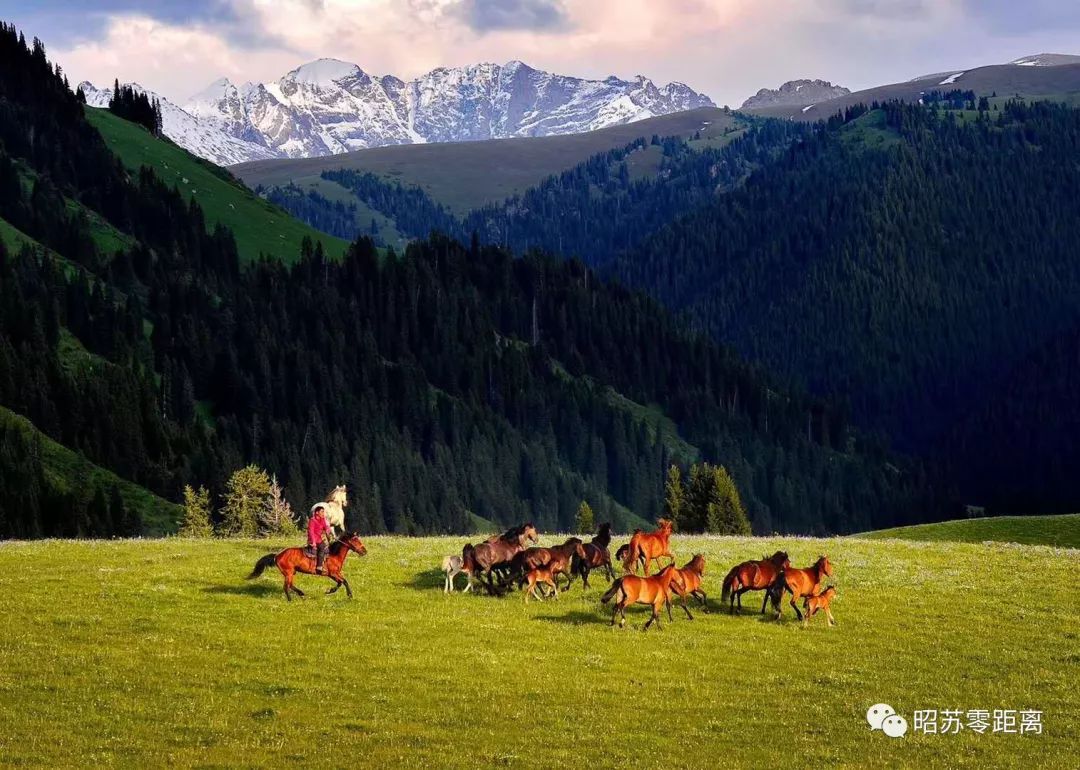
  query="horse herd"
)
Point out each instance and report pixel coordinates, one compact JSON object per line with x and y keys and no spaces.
{"x":504,"y":560}
{"x":512,"y":558}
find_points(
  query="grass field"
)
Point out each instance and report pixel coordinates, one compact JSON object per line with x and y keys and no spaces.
{"x":466,"y":175}
{"x":159,"y":653}
{"x":259,"y":227}
{"x":1061,"y":531}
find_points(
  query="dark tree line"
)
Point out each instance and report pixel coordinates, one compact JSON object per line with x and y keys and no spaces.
{"x":137,"y":107}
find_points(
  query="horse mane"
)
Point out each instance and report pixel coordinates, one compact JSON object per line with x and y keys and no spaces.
{"x":603,"y":535}
{"x":337,"y":547}
{"x":514,"y":534}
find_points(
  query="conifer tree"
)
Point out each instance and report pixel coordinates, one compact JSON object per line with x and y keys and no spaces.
{"x":245,"y":496}
{"x":585,"y":520}
{"x":196,"y":522}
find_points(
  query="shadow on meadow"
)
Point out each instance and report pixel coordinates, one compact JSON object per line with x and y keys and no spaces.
{"x":576,"y":618}
{"x":430,"y":579}
{"x":243,"y":589}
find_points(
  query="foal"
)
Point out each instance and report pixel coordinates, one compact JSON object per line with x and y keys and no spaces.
{"x":687,"y":582}
{"x":451,"y":567}
{"x":540,"y":576}
{"x":820,"y":603}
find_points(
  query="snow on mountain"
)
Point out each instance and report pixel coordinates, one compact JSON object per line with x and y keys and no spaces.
{"x":1046,"y":60}
{"x":795,"y":93}
{"x":203,"y":139}
{"x":329,"y":106}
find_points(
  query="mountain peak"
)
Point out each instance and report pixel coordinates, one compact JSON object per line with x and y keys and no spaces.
{"x":1046,"y":60}
{"x":323,"y":71}
{"x":795,"y":93}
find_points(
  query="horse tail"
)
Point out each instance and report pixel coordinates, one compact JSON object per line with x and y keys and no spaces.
{"x":616,"y":586}
{"x":262,"y":564}
{"x":729,"y":582}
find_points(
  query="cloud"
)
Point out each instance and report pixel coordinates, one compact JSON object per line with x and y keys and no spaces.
{"x":488,"y":15}
{"x":889,"y":9}
{"x":1012,"y":17}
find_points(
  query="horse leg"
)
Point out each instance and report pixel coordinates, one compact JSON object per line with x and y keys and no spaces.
{"x":656,"y":617}
{"x":832,"y":620}
{"x":348,"y":588}
{"x":338,"y":581}
{"x":685,"y":609}
{"x":585,"y":577}
{"x":555,"y":587}
{"x":795,"y":606}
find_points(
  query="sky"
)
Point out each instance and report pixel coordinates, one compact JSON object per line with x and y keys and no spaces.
{"x":727,"y":49}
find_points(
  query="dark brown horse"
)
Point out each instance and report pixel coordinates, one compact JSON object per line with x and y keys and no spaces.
{"x":596,"y":556}
{"x":293,"y":560}
{"x":495,"y":554}
{"x":687,"y":582}
{"x":805,"y":581}
{"x":558,"y":557}
{"x":754,"y":576}
{"x":649,"y":547}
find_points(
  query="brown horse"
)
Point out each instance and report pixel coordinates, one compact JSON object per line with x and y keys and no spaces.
{"x":687,"y":582}
{"x":631,"y":589}
{"x":820,"y":603}
{"x":649,"y":547}
{"x":540,"y":576}
{"x":558,"y":557}
{"x":801,"y":582}
{"x":480,"y":560}
{"x":596,"y":556}
{"x":293,"y":560}
{"x":754,"y":576}
{"x":624,"y":550}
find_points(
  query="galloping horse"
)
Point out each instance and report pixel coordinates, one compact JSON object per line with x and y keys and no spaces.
{"x":801,"y":582}
{"x":754,"y":576}
{"x":293,"y":560}
{"x":631,"y":589}
{"x":820,"y":603}
{"x":596,"y":556}
{"x":649,"y":547}
{"x":336,"y":501}
{"x":687,"y":582}
{"x":480,"y":560}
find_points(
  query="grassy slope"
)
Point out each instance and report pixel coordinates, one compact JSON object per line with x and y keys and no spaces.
{"x":1061,"y":531}
{"x":1005,"y":80}
{"x":466,"y":175}
{"x":67,"y":470}
{"x":151,"y":654}
{"x":260,"y":228}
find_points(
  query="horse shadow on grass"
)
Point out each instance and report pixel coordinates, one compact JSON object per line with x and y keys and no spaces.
{"x":575,"y":618}
{"x":243,"y":589}
{"x":430,"y":579}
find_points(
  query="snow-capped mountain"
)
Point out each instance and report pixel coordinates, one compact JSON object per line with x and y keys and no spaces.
{"x":795,"y":93}
{"x":329,"y":106}
{"x":197,"y":137}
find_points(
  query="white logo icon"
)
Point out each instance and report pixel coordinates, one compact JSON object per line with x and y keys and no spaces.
{"x":894,"y":726}
{"x":877,"y":713}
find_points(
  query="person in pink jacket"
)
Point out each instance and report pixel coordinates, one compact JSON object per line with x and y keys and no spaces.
{"x":318,"y":531}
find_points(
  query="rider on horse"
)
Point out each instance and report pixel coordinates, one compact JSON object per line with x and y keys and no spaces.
{"x":318,"y":530}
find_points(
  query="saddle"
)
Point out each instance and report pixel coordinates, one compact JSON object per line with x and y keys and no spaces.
{"x":310,"y":551}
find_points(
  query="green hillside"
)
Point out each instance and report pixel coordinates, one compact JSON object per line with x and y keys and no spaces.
{"x":466,"y":175}
{"x":69,"y":472}
{"x":1062,"y":531}
{"x":259,"y":227}
{"x":161,"y":654}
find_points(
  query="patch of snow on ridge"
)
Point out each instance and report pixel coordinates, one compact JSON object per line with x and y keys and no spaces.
{"x":950,"y":80}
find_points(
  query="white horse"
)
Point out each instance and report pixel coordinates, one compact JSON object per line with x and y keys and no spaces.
{"x":335,"y":504}
{"x":451,"y":566}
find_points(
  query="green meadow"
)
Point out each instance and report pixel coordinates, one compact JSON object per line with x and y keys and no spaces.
{"x":160,"y":653}
{"x":259,"y":227}
{"x":1062,"y":531}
